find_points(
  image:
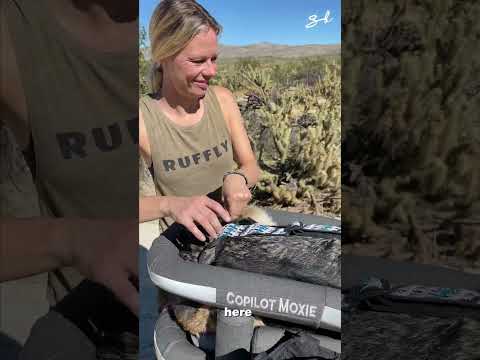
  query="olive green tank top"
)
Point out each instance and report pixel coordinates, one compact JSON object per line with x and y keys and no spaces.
{"x":83,"y":114}
{"x":188,"y":160}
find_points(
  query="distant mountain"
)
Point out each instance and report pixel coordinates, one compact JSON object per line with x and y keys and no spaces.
{"x":265,"y":49}
{"x":268,"y":49}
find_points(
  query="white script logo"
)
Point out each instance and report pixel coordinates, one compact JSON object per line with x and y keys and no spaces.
{"x":314,"y":20}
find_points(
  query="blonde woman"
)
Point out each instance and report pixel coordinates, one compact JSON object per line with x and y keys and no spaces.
{"x":68,"y":94}
{"x":191,"y":133}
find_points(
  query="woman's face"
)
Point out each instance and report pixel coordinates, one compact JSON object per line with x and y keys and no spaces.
{"x":190,"y":70}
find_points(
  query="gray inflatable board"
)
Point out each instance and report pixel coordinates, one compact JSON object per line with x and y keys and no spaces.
{"x":283,"y":299}
{"x":286,"y":218}
{"x":356,"y":269}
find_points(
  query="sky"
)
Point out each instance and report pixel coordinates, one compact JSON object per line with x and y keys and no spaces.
{"x":283,"y":22}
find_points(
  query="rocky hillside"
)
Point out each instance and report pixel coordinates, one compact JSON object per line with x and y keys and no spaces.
{"x":268,"y":49}
{"x":265,"y":49}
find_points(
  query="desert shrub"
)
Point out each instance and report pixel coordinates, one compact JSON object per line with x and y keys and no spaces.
{"x":410,"y":127}
{"x":294,"y":129}
{"x":143,"y":65}
{"x":291,"y":109}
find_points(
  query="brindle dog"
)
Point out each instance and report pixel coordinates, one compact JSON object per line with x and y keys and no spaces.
{"x":313,"y":258}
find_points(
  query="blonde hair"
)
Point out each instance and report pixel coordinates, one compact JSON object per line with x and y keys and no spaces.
{"x":173,"y":24}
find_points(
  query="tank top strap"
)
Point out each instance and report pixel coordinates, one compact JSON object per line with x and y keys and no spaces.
{"x":34,"y":12}
{"x":158,"y":125}
{"x":214,"y":108}
{"x":154,"y":121}
{"x":145,"y":110}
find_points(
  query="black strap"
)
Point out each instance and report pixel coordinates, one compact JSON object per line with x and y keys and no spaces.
{"x":378,"y":299}
{"x":96,"y":312}
{"x":383,"y":304}
{"x":298,"y":346}
{"x":29,"y":156}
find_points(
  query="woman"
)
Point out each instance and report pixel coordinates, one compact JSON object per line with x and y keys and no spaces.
{"x":69,"y":95}
{"x":189,"y":132}
{"x":191,"y":135}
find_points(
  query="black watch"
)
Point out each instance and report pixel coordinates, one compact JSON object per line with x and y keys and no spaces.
{"x":236,"y":173}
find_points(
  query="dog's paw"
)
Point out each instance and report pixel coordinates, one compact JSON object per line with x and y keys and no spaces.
{"x":258,"y":322}
{"x":197,"y":323}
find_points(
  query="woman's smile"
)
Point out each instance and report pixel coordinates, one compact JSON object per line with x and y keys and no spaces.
{"x":201,"y":84}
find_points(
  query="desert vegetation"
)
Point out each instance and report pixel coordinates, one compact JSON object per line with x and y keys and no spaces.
{"x":291,"y":109}
{"x":410,"y":134}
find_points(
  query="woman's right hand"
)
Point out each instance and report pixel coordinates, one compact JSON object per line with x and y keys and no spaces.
{"x":105,"y":251}
{"x":198,"y":210}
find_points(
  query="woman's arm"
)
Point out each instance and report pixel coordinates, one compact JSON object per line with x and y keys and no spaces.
{"x":236,"y":192}
{"x":31,"y":246}
{"x":188,"y":211}
{"x":152,"y":208}
{"x":104,"y":251}
{"x":242,"y":151}
{"x":36,"y":245}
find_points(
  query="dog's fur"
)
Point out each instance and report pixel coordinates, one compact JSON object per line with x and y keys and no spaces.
{"x":302,"y":258}
{"x":194,"y":250}
{"x":257,"y":215}
{"x":314,"y":260}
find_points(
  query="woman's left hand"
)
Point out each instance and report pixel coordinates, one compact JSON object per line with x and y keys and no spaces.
{"x":236,"y":195}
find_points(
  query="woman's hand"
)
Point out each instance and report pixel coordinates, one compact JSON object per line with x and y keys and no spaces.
{"x":106,"y":251}
{"x":236,"y":194}
{"x":201,"y":210}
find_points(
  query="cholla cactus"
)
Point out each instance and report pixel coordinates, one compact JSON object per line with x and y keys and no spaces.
{"x":292,"y":114}
{"x":143,"y":64}
{"x":296,"y":131}
{"x":18,"y":193}
{"x":258,"y":80}
{"x":12,"y":163}
{"x":410,"y":87}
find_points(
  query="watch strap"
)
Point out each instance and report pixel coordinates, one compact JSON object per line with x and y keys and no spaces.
{"x":235,"y":173}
